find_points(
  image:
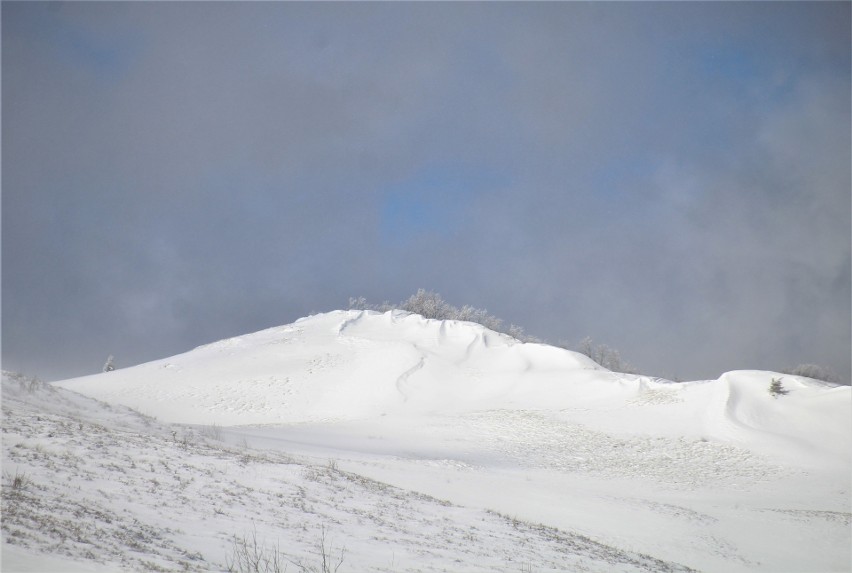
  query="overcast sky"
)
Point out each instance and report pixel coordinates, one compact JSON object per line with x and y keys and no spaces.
{"x":671,"y":179}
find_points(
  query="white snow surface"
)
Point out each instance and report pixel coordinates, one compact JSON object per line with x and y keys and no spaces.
{"x":424,"y":445}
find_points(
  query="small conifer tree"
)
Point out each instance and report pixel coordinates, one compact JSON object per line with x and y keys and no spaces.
{"x":777,"y":389}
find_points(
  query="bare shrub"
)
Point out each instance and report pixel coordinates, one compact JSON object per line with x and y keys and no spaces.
{"x":429,"y":304}
{"x":213,"y":432}
{"x":248,"y":556}
{"x":29,"y":384}
{"x":814,"y":371}
{"x":18,"y":481}
{"x":360,"y":303}
{"x":605,"y":356}
{"x":330,"y":559}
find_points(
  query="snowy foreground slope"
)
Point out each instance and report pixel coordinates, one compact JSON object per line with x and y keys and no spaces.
{"x":426,"y":445}
{"x":103,"y":488}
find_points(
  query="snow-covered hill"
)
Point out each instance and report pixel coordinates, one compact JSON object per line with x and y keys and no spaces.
{"x":716,"y":475}
{"x":362,"y":365}
{"x":343,"y":366}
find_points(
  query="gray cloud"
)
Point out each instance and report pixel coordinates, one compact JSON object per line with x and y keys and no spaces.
{"x":672,"y":179}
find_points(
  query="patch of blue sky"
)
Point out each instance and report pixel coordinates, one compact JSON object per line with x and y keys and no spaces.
{"x":477,"y":63}
{"x":746,"y":71}
{"x":620,"y":176}
{"x":84,"y":46}
{"x":734,"y":63}
{"x":435,"y":201}
{"x":108,"y":59}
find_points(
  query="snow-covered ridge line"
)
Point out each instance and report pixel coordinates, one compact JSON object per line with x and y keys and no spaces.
{"x":348,"y":365}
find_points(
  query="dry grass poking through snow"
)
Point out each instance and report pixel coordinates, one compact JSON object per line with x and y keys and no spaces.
{"x":88,"y":482}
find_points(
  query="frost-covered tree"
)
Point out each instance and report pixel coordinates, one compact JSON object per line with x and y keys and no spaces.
{"x":480,"y":316}
{"x":607,"y":357}
{"x":429,"y":304}
{"x":469,"y":314}
{"x":814,"y":371}
{"x":360,"y":303}
{"x":586,"y":347}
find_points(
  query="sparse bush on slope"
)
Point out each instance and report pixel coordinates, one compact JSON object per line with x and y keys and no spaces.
{"x":429,"y":304}
{"x":814,"y":371}
{"x":329,"y":558}
{"x":249,"y":556}
{"x":607,"y":357}
{"x":777,"y":389}
{"x":17,"y":482}
{"x":29,"y":384}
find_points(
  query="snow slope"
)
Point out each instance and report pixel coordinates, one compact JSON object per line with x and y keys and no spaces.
{"x":716,"y":475}
{"x":103,"y":488}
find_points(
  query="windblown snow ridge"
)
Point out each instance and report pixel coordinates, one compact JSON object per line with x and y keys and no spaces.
{"x":361,"y":365}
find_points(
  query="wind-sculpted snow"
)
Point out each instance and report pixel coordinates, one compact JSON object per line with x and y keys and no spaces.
{"x":540,"y":440}
{"x":721,"y":475}
{"x":341,"y":365}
